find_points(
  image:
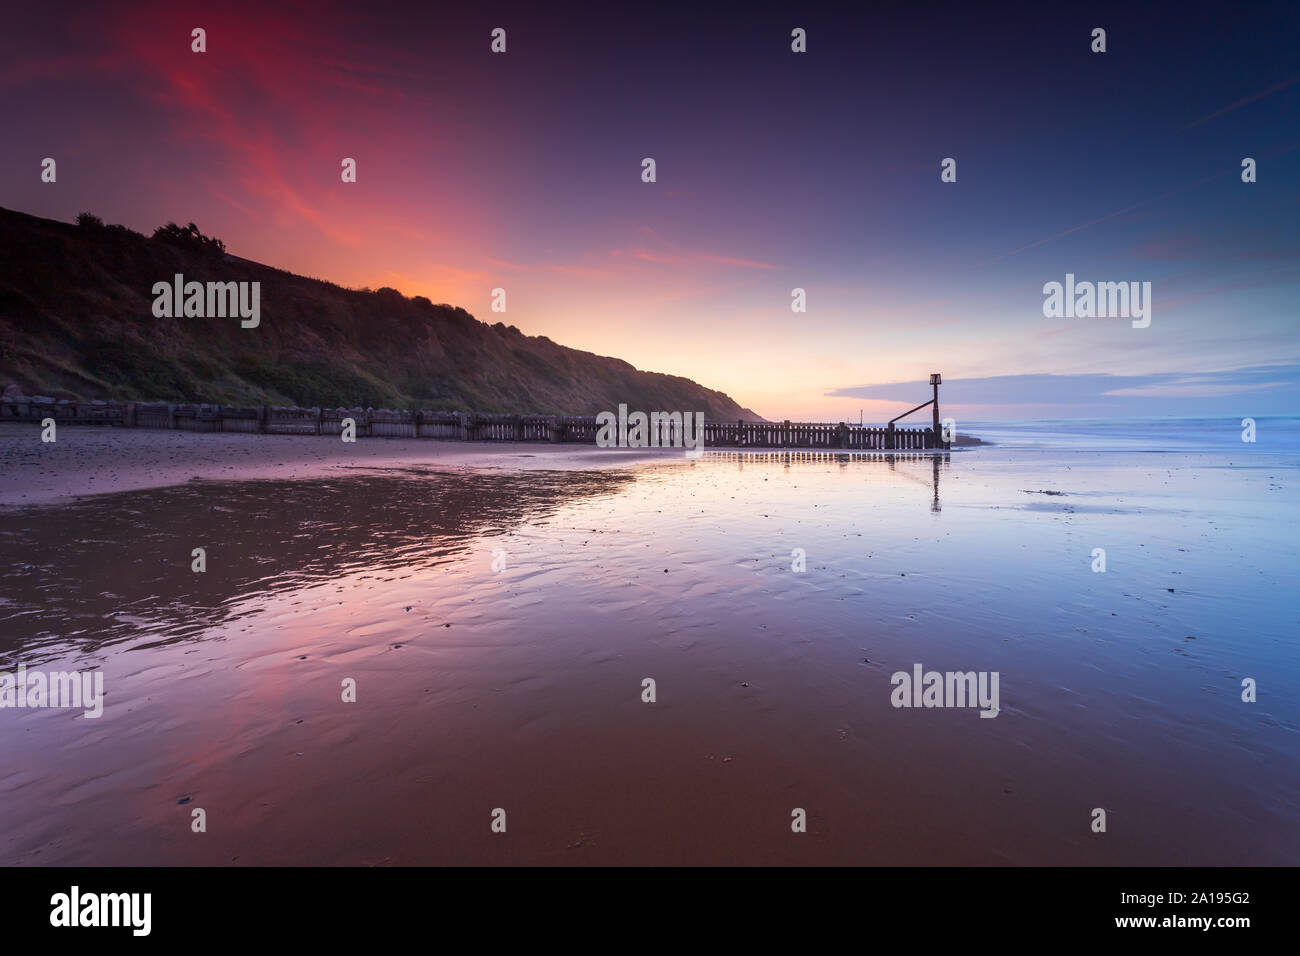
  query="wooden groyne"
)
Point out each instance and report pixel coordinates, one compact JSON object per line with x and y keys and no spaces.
{"x":452,"y":426}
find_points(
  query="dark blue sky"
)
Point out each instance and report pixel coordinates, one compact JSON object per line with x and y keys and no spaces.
{"x":775,"y":170}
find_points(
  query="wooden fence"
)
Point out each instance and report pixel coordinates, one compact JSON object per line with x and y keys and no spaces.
{"x":462,"y":426}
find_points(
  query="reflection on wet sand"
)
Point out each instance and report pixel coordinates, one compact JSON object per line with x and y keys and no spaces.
{"x":518,"y":684}
{"x":111,"y":568}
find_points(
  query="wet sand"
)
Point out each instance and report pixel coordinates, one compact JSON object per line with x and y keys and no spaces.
{"x":93,"y":460}
{"x":520,"y":686}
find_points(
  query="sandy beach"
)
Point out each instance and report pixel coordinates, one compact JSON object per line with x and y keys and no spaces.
{"x":499,"y":614}
{"x":90,"y":460}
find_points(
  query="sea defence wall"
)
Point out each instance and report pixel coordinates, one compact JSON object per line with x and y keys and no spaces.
{"x":450,"y":426}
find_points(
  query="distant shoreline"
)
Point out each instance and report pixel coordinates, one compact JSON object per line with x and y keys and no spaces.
{"x":94,"y":461}
{"x":87,"y":460}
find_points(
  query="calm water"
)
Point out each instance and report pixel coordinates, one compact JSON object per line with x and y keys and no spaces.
{"x":521,"y":688}
{"x":1274,"y":435}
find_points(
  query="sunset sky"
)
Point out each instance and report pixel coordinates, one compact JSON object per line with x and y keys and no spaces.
{"x":775,"y":170}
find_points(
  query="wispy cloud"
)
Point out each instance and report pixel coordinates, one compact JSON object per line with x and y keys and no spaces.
{"x":1244,"y":101}
{"x":1195,"y":389}
{"x":1098,"y":391}
{"x":1110,"y":215}
{"x":696,"y":258}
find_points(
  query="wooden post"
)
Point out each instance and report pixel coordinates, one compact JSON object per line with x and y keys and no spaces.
{"x":936,"y":379}
{"x":320,"y":419}
{"x":171,"y":414}
{"x":889,"y":436}
{"x":415,"y":423}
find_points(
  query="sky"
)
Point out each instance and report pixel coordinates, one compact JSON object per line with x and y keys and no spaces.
{"x":775,"y":170}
